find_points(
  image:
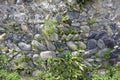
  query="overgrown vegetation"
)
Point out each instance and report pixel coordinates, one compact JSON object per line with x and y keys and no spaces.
{"x":68,"y":67}
{"x":49,"y":28}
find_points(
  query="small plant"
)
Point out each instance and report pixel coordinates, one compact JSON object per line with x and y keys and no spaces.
{"x":106,"y":54}
{"x":66,"y":68}
{"x":91,"y":20}
{"x":49,"y":28}
{"x":6,"y":75}
{"x":65,"y":18}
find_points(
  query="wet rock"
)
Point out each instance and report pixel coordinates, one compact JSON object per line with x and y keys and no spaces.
{"x":47,"y":54}
{"x":92,"y":43}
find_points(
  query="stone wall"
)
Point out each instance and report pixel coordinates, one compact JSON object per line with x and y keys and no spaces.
{"x":91,"y":32}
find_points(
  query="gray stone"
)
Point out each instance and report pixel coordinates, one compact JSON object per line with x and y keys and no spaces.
{"x":20,"y":17}
{"x":75,"y":53}
{"x":100,"y":44}
{"x":85,"y":28}
{"x":47,"y":54}
{"x":50,"y":46}
{"x":90,"y":60}
{"x":92,"y":43}
{"x":63,"y":53}
{"x":75,"y":24}
{"x":38,"y":45}
{"x":35,"y":73}
{"x":35,"y":56}
{"x":101,"y":53}
{"x":69,"y":37}
{"x":90,"y":52}
{"x":24,"y":46}
{"x":81,"y":45}
{"x":71,"y":45}
{"x":63,"y":38}
{"x":76,"y":37}
{"x":54,"y":37}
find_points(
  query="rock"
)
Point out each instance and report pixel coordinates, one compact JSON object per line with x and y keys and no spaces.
{"x":24,"y":28}
{"x":20,"y":17}
{"x":109,"y":43}
{"x":11,"y":2}
{"x":90,"y":60}
{"x":58,"y":17}
{"x":24,"y":46}
{"x":92,"y":43}
{"x":60,"y":46}
{"x":75,"y":24}
{"x":37,"y":36}
{"x":71,"y":45}
{"x":69,"y":37}
{"x":35,"y":73}
{"x":92,"y":34}
{"x":75,"y":53}
{"x":38,"y":45}
{"x":100,"y":35}
{"x":113,"y":26}
{"x":73,"y":15}
{"x":115,"y":53}
{"x":63,"y":38}
{"x":72,"y":2}
{"x":85,"y":28}
{"x":81,"y":45}
{"x":100,"y":44}
{"x":63,"y":53}
{"x":116,"y":36}
{"x":89,"y":52}
{"x":2,"y":37}
{"x":102,"y":72}
{"x":17,"y":37}
{"x":27,"y":37}
{"x":19,"y":1}
{"x":50,"y":46}
{"x":102,"y":52}
{"x":54,"y":37}
{"x":27,"y":0}
{"x":47,"y":54}
{"x":76,"y":37}
{"x":35,"y":56}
